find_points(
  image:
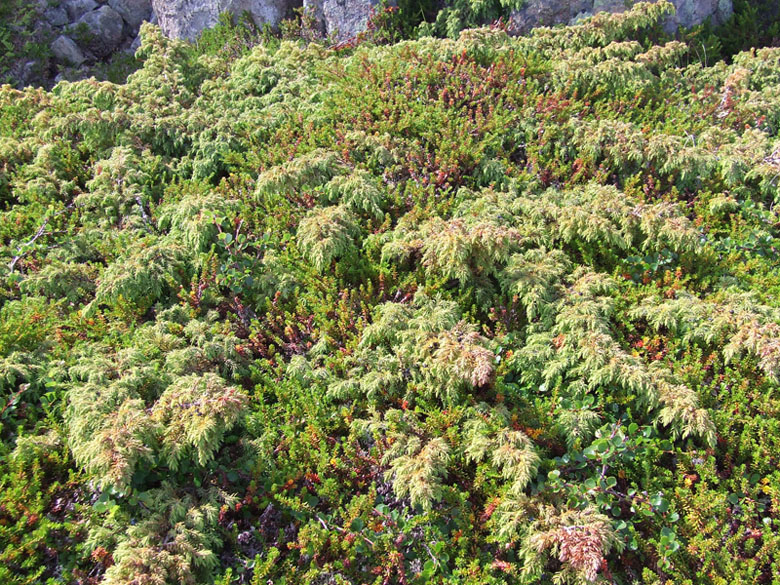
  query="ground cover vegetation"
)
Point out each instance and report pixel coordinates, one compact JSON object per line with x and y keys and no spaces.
{"x":475,"y":310}
{"x":21,"y":42}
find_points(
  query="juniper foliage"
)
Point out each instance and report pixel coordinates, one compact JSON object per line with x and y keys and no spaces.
{"x":476,"y":309}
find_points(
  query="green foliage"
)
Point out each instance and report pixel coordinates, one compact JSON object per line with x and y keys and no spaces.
{"x":754,"y":23}
{"x":173,"y":544}
{"x":41,"y":518}
{"x":194,"y":413}
{"x":21,"y":41}
{"x":231,"y":38}
{"x":463,"y":14}
{"x":326,"y":234}
{"x":477,"y":309}
{"x":142,"y":276}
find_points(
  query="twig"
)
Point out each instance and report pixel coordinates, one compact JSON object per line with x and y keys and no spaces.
{"x":144,"y":215}
{"x":604,"y":467}
{"x":342,"y":530}
{"x":38,"y":234}
{"x":14,"y":398}
{"x":433,"y":558}
{"x":41,"y":231}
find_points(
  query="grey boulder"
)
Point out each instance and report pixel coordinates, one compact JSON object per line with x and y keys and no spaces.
{"x":692,"y":12}
{"x":342,"y":19}
{"x":56,"y":16}
{"x":186,"y":19}
{"x":135,"y":45}
{"x":25,"y":73}
{"x":104,"y":28}
{"x":78,"y":8}
{"x":66,"y":51}
{"x":546,"y":13}
{"x":134,"y":12}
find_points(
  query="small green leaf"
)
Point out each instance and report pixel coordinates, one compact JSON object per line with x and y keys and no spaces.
{"x":668,"y":533}
{"x":357,"y":525}
{"x":659,"y":503}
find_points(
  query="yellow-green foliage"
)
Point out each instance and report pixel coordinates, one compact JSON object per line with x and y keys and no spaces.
{"x":480,"y":309}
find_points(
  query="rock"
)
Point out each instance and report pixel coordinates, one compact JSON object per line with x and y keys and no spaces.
{"x":314,"y":9}
{"x":104,"y":31}
{"x":342,"y":19}
{"x":56,"y":16}
{"x":580,"y":17}
{"x":78,"y":8}
{"x":549,"y":13}
{"x":608,"y":6}
{"x":26,"y":73}
{"x":134,"y":12}
{"x":545,"y":13}
{"x":725,"y":10}
{"x":66,"y":51}
{"x":135,"y":45}
{"x":692,"y":12}
{"x":186,"y":19}
{"x":181,"y":19}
